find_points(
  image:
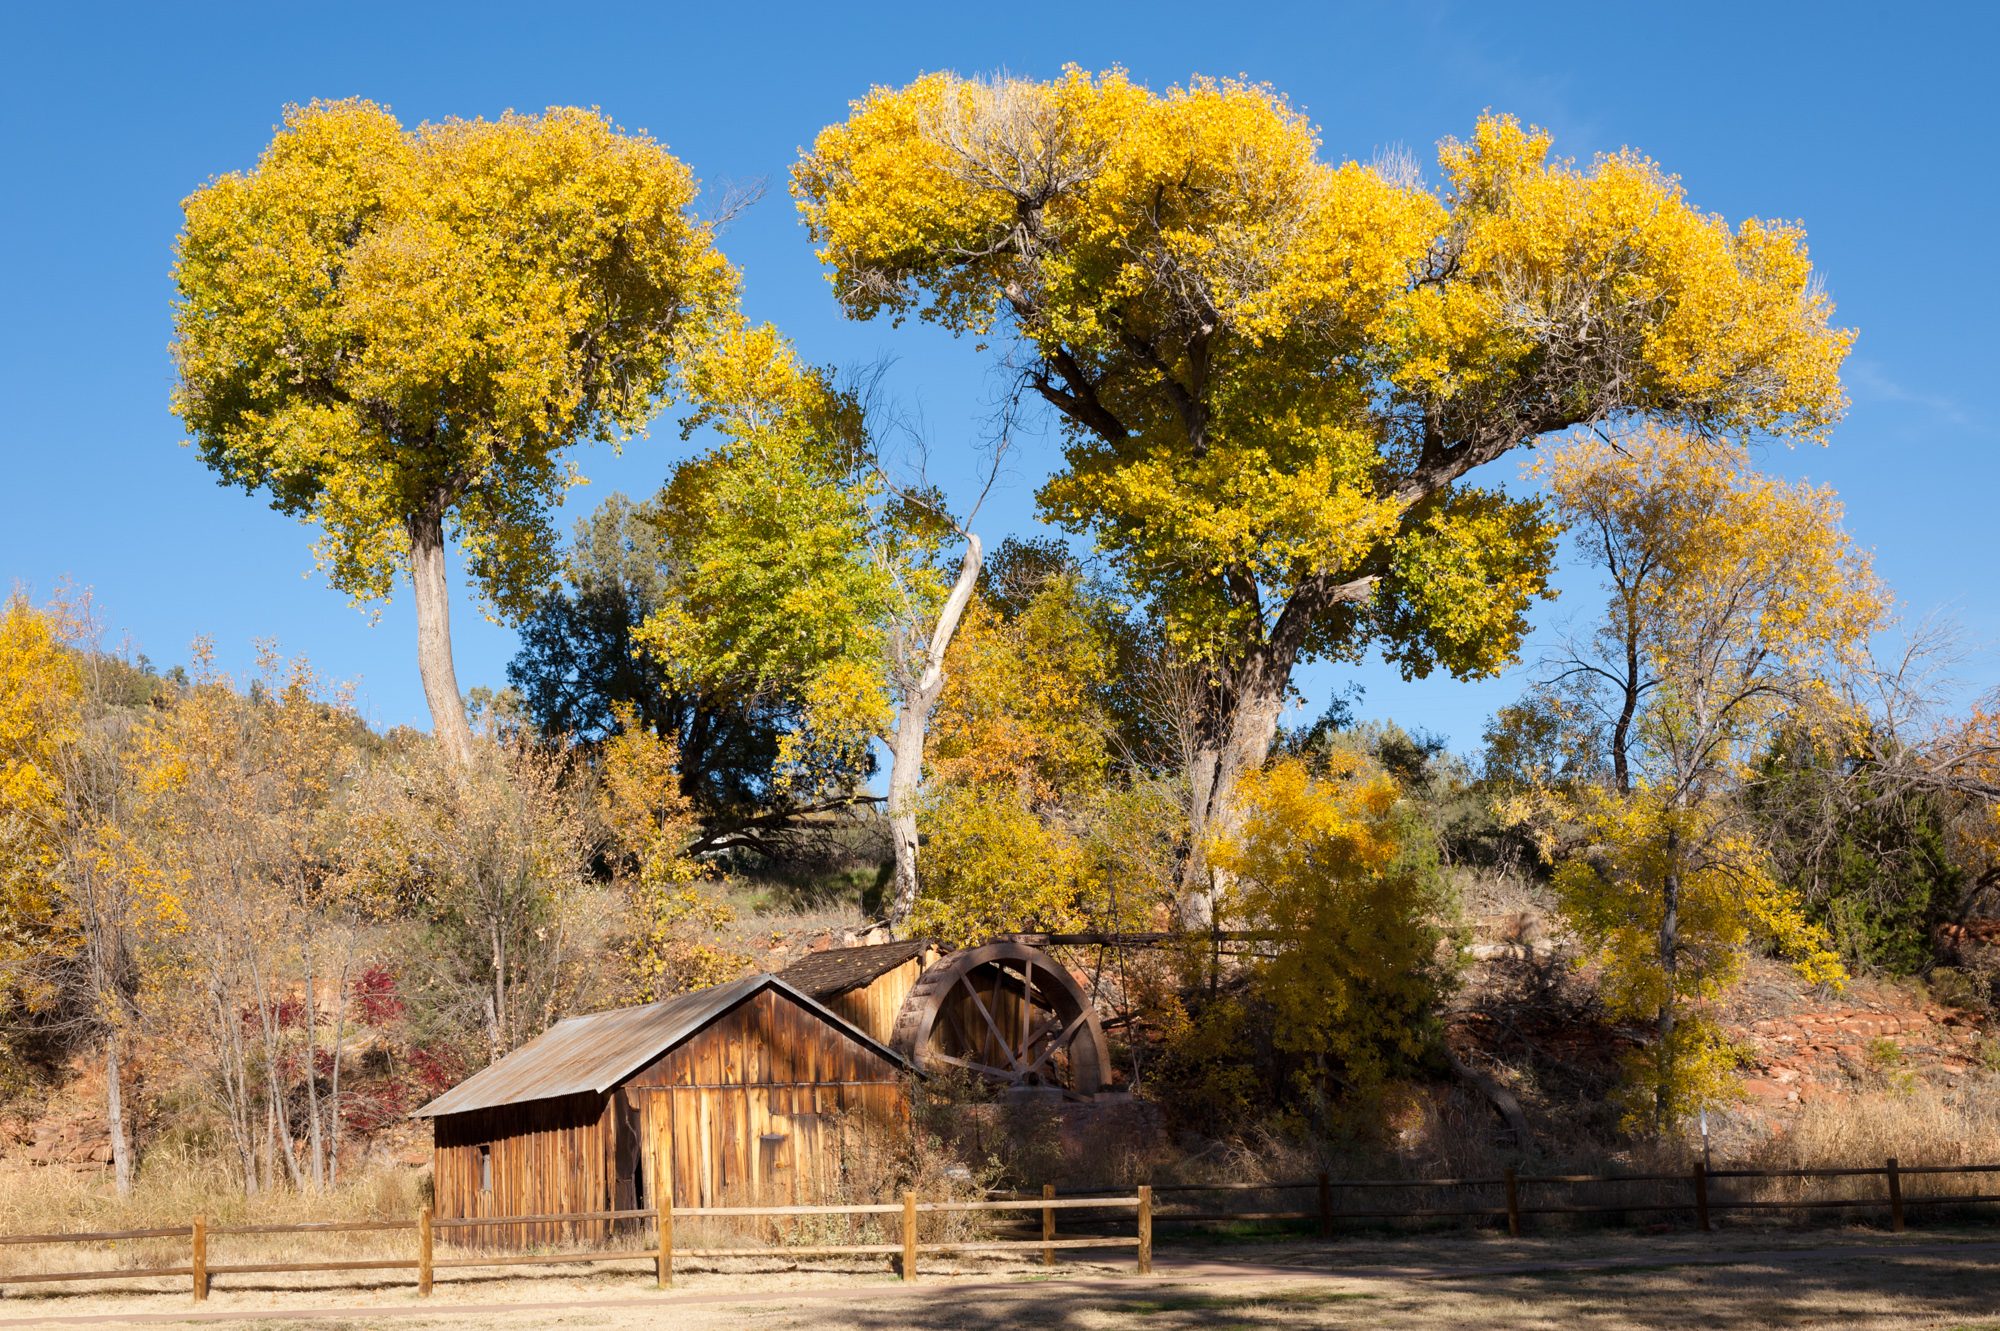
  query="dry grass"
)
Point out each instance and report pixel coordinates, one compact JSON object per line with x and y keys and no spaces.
{"x":1917,"y":1123}
{"x":171,"y":1191}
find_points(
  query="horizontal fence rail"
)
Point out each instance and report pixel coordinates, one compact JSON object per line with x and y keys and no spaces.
{"x":1510,"y":1197}
{"x":1700,"y":1189}
{"x":662,"y":1253}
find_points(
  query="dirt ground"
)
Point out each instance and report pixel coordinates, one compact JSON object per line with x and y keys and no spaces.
{"x":1730,"y":1282}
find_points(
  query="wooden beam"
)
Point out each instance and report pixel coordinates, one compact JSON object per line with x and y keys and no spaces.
{"x":664,"y":1256}
{"x":970,"y":1064}
{"x":991,"y":1024}
{"x":1145,"y":1230}
{"x":1060,"y":1042}
{"x":425,"y":1253}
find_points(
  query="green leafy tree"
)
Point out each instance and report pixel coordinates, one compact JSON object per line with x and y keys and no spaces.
{"x":804,"y":578}
{"x":1871,"y":855}
{"x":581,"y":666}
{"x":397,"y":335}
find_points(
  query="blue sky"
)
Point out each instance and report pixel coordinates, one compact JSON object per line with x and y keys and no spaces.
{"x":1866,"y":123}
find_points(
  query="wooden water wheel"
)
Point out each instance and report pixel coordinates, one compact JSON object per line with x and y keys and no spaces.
{"x":1007,"y":1012}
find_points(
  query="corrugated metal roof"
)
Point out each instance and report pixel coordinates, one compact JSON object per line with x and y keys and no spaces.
{"x":597,"y":1051}
{"x":835,"y":971}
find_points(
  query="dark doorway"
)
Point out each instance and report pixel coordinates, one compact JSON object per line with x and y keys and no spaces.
{"x":631,"y":1178}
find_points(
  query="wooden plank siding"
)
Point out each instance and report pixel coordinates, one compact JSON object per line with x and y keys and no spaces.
{"x":873,"y":1006}
{"x":761,"y":1106}
{"x":545,"y":1157}
{"x":752,"y":1109}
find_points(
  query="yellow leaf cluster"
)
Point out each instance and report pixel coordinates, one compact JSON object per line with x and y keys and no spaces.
{"x":1616,"y":893}
{"x":1326,"y":860}
{"x":674,"y":919}
{"x":1019,"y":705}
{"x":993,"y":864}
{"x":377,"y":324}
{"x":41,"y":716}
{"x":1744,"y":592}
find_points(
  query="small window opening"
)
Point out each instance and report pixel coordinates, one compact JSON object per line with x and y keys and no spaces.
{"x":485,"y":1167}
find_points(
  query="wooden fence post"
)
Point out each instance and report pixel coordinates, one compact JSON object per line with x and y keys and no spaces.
{"x":1701,"y":1195}
{"x":1325,"y":1207}
{"x":1145,"y":1229}
{"x":1048,"y":1224}
{"x":1513,"y":1204}
{"x":663,"y":1231}
{"x":910,"y":1235}
{"x":424,"y":1264}
{"x":1895,"y":1197}
{"x":198,"y":1256}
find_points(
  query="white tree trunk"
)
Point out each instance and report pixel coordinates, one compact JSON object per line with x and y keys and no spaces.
{"x":114,"y":1117}
{"x":913,"y":719}
{"x":434,"y":664}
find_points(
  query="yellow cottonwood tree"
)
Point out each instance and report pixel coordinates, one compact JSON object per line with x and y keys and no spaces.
{"x":1275,"y":372}
{"x":394,"y":333}
{"x":78,"y":901}
{"x":1734,"y":600}
{"x":1019,"y":758}
{"x":1021,"y":707}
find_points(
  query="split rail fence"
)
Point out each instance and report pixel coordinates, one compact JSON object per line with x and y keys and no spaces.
{"x":1510,"y":1197}
{"x":425,"y":1261}
{"x":1700,"y":1193}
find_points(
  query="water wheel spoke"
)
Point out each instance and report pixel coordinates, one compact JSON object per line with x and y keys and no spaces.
{"x":972,"y":1064}
{"x":993,"y":1025}
{"x":1027,"y":1001}
{"x":1060,"y":1042}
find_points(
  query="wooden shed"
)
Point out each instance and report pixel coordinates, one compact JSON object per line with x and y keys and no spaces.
{"x":746,"y":1093}
{"x":866,"y":985}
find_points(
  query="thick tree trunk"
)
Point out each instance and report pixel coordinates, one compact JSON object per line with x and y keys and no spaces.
{"x":433,"y":598}
{"x":1237,"y":739}
{"x":913,"y":719}
{"x":114,"y":1118}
